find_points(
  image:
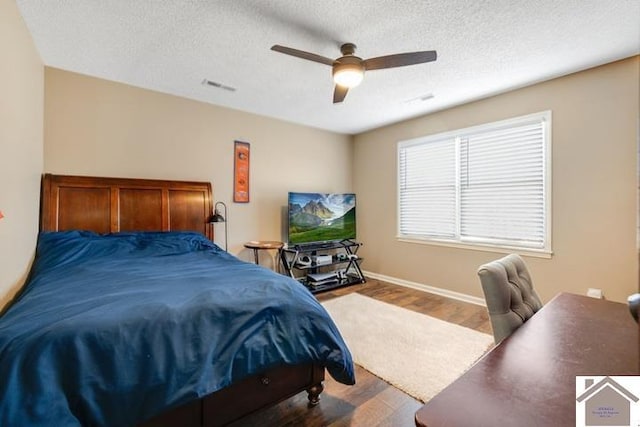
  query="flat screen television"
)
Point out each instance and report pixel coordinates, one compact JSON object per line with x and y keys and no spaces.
{"x":321,"y":217}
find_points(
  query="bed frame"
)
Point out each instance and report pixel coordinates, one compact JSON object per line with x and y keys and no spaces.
{"x":108,"y":205}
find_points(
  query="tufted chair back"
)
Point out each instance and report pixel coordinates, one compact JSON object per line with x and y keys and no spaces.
{"x":509,"y":294}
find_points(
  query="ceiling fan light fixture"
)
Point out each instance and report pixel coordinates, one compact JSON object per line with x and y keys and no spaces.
{"x":348,"y":75}
{"x":348,"y":70}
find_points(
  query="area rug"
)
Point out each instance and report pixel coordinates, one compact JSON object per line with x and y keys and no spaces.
{"x":416,"y":353}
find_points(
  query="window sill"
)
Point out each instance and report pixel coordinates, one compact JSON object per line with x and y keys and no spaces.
{"x":480,"y":247}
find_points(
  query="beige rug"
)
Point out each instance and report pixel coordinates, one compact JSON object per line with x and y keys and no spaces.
{"x":416,"y":353}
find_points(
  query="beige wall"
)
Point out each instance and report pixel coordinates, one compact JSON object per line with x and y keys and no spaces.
{"x":96,"y":127}
{"x":21,"y":112}
{"x":101,"y":128}
{"x":595,"y":134}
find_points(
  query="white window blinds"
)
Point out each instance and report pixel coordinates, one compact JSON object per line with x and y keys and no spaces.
{"x":482,"y":185}
{"x":428,"y":188}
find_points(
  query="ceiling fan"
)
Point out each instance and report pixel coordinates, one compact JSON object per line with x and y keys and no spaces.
{"x":348,"y":70}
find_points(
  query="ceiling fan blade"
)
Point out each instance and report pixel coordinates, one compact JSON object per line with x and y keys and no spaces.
{"x":339,"y":93}
{"x":302,"y":54}
{"x":399,"y":60}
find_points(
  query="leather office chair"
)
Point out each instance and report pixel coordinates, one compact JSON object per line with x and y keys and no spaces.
{"x":509,"y":293}
{"x":634,"y":305}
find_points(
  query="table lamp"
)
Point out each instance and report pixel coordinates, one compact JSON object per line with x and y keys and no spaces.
{"x":217,"y":217}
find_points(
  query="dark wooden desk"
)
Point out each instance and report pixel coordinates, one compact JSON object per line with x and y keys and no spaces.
{"x":529,"y":379}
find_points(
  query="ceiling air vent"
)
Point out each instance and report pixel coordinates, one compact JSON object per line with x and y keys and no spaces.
{"x":207,"y":82}
{"x":422,"y":98}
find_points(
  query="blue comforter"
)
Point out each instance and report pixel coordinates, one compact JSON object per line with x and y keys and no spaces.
{"x":112,"y":329}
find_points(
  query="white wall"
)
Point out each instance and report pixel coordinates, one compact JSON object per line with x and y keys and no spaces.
{"x":21,"y":136}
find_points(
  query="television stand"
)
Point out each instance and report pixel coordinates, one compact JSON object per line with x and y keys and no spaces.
{"x":323,"y":266}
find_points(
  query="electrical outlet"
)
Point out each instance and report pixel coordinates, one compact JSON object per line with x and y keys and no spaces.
{"x":595,"y":293}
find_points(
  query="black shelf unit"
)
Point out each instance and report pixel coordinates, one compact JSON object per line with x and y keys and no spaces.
{"x":342,"y":270}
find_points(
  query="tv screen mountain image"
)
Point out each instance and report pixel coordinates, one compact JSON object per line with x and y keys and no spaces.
{"x":321,"y":217}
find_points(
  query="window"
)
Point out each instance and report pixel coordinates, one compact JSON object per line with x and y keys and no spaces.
{"x":488,"y":185}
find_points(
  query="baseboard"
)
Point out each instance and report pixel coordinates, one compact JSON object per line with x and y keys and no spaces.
{"x":426,"y":288}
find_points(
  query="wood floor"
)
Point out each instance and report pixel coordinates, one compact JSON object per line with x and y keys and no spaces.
{"x":371,"y":402}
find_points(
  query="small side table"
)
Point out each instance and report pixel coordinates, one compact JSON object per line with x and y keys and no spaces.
{"x":258,"y":245}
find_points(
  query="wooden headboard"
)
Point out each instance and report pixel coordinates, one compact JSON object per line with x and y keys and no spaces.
{"x":108,"y":205}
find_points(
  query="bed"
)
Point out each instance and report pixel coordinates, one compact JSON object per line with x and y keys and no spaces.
{"x":151,"y":323}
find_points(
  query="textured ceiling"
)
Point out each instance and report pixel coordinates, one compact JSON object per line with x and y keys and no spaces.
{"x":484,"y":47}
